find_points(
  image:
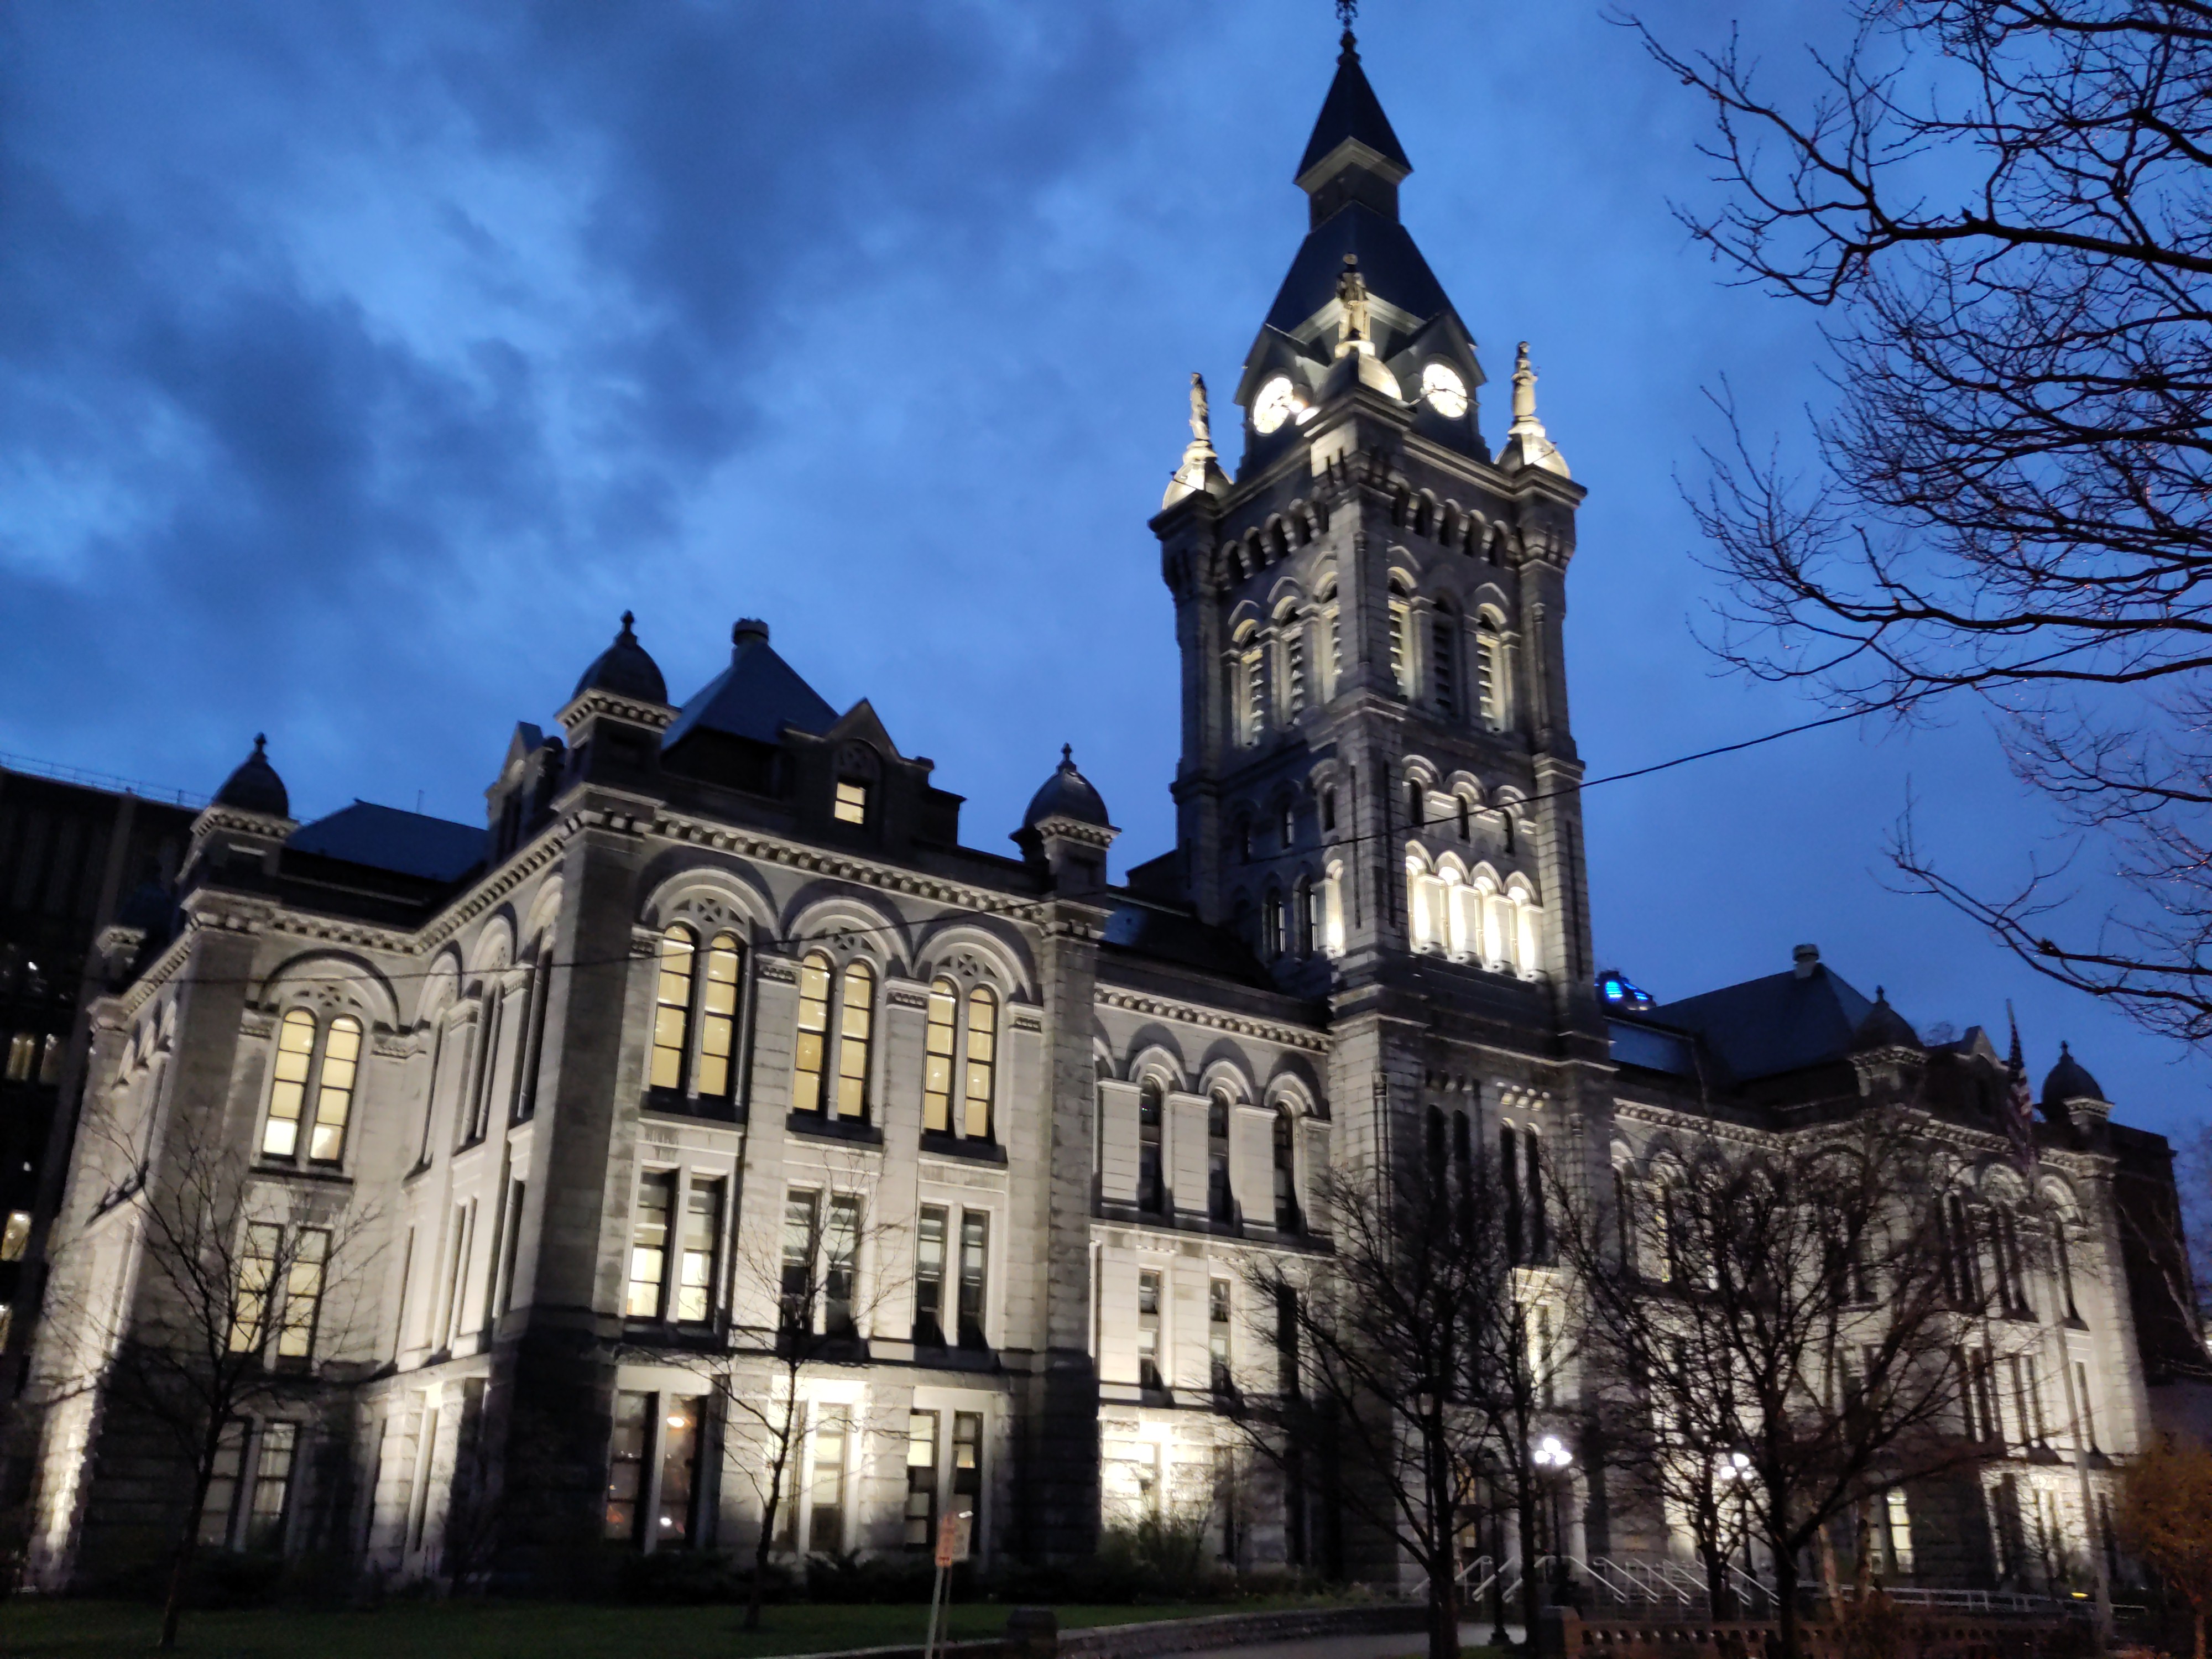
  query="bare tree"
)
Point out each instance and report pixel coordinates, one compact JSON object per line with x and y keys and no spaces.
{"x":1783,"y":1326}
{"x":2165,"y":1520}
{"x":823,"y":1279}
{"x":203,"y":1296}
{"x":1406,"y":1350}
{"x":1999,"y":206}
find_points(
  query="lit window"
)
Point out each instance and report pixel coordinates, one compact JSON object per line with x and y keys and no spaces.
{"x":303,"y":1293}
{"x":718,"y":1016}
{"x":929,"y":1278}
{"x":680,"y":1469}
{"x":825,"y":1531}
{"x":626,"y":1463}
{"x":813,"y":1032}
{"x":256,"y":1279}
{"x":16,"y":1238}
{"x":296,"y":1048}
{"x":920,"y":1480}
{"x":975,"y":1252}
{"x":937,"y":1058}
{"x":334,"y":1089}
{"x":982,"y":1062}
{"x":1217,"y":1334}
{"x":671,"y":1014}
{"x":852,"y":1041}
{"x":852,"y":802}
{"x":648,"y":1244}
{"x":702,"y":1232}
{"x":50,"y":1059}
{"x":1900,"y":1531}
{"x":966,"y":1463}
{"x":1401,"y":655}
{"x":22,"y":1056}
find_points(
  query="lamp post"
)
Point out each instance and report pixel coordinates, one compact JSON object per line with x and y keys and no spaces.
{"x":1735,"y":1471}
{"x":1552,"y":1459}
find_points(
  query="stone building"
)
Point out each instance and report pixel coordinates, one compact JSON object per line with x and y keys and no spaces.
{"x":717,"y":985}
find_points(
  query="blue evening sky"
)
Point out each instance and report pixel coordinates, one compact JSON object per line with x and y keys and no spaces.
{"x":360,"y":362}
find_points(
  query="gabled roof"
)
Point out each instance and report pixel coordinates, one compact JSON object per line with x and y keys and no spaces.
{"x":755,"y":696}
{"x":1778,"y":1023}
{"x":1393,"y":267}
{"x":1352,"y":111}
{"x":387,"y":838}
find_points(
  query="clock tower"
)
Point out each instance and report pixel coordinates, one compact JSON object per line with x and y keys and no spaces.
{"x":1378,"y":783}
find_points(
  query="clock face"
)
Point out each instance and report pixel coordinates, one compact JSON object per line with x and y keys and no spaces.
{"x":1272,"y":406}
{"x":1446,"y":392}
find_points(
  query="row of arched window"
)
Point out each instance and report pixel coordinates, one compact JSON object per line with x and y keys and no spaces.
{"x":1454,"y":665}
{"x":311,"y":1091}
{"x":697,"y":1013}
{"x":1474,"y":918}
{"x":1305,"y":920}
{"x":1221,"y":1200}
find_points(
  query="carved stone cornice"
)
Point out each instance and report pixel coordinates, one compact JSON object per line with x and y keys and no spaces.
{"x":1212,"y":1019}
{"x":777,"y":971}
{"x":658,"y":716}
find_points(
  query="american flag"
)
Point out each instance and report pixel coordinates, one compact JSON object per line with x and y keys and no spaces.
{"x":2019,"y":1105}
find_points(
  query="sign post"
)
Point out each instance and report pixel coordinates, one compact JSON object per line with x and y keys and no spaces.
{"x":955,"y":1532}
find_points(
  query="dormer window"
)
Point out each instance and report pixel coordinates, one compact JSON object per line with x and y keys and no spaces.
{"x":852,"y":802}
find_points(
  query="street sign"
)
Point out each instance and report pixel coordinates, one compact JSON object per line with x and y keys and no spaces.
{"x":954,"y":1535}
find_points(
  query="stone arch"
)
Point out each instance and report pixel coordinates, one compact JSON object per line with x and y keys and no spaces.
{"x":709,"y":897}
{"x":323,"y":980}
{"x":845,"y":924}
{"x":966,"y":948}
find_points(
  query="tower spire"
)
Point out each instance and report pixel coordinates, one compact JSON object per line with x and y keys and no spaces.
{"x":1353,"y":154}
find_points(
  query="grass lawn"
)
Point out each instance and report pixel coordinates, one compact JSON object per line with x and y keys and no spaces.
{"x":31,"y":1629}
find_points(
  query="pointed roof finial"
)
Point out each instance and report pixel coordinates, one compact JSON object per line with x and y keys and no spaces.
{"x":627,"y":619}
{"x":1347,"y":11}
{"x":1526,"y":443}
{"x":1068,"y":754}
{"x":260,"y":743}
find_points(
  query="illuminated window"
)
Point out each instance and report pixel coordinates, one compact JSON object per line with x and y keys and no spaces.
{"x":858,"y":1017}
{"x":257,"y":1283}
{"x":718,"y":1017}
{"x":295,"y":1050}
{"x":937,"y":1058}
{"x":648,"y":1244}
{"x":813,"y":1032}
{"x":1217,"y":1334}
{"x":672,"y":1013}
{"x":966,"y":1463}
{"x":680,"y":1470}
{"x":22,"y":1056}
{"x":982,"y":1062}
{"x":1402,"y":652}
{"x":1294,"y":667}
{"x":50,"y":1059}
{"x":702,"y":1232}
{"x":929,"y":1278}
{"x":334,"y":1089}
{"x":626,"y":1464}
{"x":852,"y":806}
{"x":825,"y":1530}
{"x":303,"y":1293}
{"x":16,"y":1238}
{"x":920,"y":1480}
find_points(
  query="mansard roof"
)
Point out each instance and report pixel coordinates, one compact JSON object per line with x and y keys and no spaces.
{"x":388,"y":838}
{"x":1782,"y":1023}
{"x":756,"y":696}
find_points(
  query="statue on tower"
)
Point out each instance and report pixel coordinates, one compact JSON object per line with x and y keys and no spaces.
{"x":1201,"y":428}
{"x":1351,"y":293}
{"x":1200,"y":472}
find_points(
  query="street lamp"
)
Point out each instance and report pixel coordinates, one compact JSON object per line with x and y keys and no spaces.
{"x":1552,"y":1459}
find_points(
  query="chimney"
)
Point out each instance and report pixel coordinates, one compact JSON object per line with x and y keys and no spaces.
{"x":1807,"y":957}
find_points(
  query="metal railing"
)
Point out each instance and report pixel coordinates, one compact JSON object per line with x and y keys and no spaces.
{"x":85,"y":778}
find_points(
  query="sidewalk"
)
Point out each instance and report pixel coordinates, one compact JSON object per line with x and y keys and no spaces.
{"x":1405,"y":1644}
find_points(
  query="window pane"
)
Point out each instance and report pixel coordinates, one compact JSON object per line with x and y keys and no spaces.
{"x":272,"y":1484}
{"x":17,"y":1236}
{"x":702,"y":1231}
{"x":967,"y":1460}
{"x":929,"y":1278}
{"x":974,"y":1252}
{"x":648,"y":1244}
{"x":920,"y":1480}
{"x":303,"y":1293}
{"x":295,"y":1044}
{"x":718,"y":1017}
{"x":982,"y":1059}
{"x":671,"y":1011}
{"x":626,"y":1463}
{"x":813,"y":1025}
{"x":841,"y":1241}
{"x":679,"y":1461}
{"x":222,"y":1489}
{"x":257,"y":1273}
{"x":334,"y":1089}
{"x":858,"y":1014}
{"x":799,"y":1251}
{"x":825,"y":1532}
{"x":937,"y":1060}
{"x":852,"y":805}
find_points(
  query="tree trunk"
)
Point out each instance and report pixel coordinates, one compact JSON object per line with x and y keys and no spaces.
{"x":760,"y":1562}
{"x":1443,"y":1612}
{"x":173,"y":1609}
{"x":1528,"y":1568}
{"x":1785,"y":1601}
{"x":2199,"y":1622}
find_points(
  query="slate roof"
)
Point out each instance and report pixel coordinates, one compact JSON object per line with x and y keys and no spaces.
{"x":1352,"y":111}
{"x":755,"y":696}
{"x":1778,"y":1023}
{"x":1178,"y":936}
{"x":387,"y":838}
{"x":1393,"y":267}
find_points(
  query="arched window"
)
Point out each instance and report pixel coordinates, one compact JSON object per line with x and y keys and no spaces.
{"x":1332,"y":909}
{"x":541,"y":997}
{"x":1328,"y":811}
{"x":1152,"y":1186}
{"x":1489,"y":676}
{"x":813,"y":1033}
{"x":1286,"y":825}
{"x":334,"y":1086}
{"x":672,"y":1013}
{"x":1443,"y":669}
{"x":982,"y":1062}
{"x":1286,"y":1172}
{"x":1249,"y":693}
{"x":852,"y":1037}
{"x":1270,"y":924}
{"x":1220,"y":1202}
{"x":1308,"y":912}
{"x":288,"y":1094}
{"x":937,"y":1058}
{"x":1333,"y":627}
{"x":718,"y":1017}
{"x":1417,"y":797}
{"x":1291,"y":630}
{"x":1401,"y":644}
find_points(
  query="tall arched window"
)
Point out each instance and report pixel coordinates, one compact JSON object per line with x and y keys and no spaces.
{"x":982,"y":1062}
{"x":1444,"y":668}
{"x":718,"y":1017}
{"x":1489,"y":674}
{"x":1270,"y":924}
{"x":1401,"y":644}
{"x":1332,"y":646}
{"x":1151,"y":1184}
{"x":853,"y":1033}
{"x":1286,"y":1172}
{"x":1248,"y":693}
{"x":813,"y":1033}
{"x":334,"y":1086}
{"x":937,"y":1058}
{"x":1307,"y":910}
{"x":672,"y":1013}
{"x":288,"y":1094}
{"x":1290,"y":630}
{"x":1221,"y":1203}
{"x":1332,"y":909}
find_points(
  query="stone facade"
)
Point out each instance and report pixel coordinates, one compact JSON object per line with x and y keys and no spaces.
{"x":571,"y":1086}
